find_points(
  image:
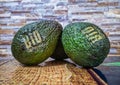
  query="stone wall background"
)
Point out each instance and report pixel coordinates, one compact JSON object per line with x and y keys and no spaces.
{"x":16,"y":13}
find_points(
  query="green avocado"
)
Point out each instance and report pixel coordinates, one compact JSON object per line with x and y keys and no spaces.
{"x":35,"y":42}
{"x":85,"y":43}
{"x":59,"y":53}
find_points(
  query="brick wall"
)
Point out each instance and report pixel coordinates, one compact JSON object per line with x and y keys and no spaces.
{"x":16,"y":13}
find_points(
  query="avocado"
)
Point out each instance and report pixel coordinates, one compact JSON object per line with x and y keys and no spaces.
{"x":59,"y":53}
{"x":85,"y":43}
{"x":35,"y":42}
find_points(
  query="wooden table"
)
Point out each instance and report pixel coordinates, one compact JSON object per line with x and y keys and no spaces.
{"x":50,"y":72}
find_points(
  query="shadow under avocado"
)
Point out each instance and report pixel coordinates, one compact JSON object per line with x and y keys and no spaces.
{"x":100,"y":74}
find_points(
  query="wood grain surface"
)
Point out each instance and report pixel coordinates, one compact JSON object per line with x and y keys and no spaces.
{"x":48,"y":73}
{"x":16,"y":13}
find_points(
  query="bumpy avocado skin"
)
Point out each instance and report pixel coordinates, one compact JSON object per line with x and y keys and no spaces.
{"x":59,"y":53}
{"x":79,"y":46}
{"x":48,"y":30}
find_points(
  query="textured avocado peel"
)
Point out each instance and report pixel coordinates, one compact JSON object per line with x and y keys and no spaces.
{"x":85,"y":43}
{"x":35,"y":42}
{"x":59,"y":53}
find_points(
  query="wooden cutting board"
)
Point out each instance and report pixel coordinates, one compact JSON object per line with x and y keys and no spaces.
{"x":48,"y":73}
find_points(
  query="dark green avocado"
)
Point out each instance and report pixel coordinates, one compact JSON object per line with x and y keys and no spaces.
{"x":85,"y":43}
{"x":35,"y":42}
{"x":59,"y":53}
